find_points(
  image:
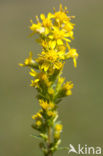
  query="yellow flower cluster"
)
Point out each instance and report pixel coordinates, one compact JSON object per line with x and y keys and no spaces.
{"x":48,"y":108}
{"x":38,"y":118}
{"x":55,"y":33}
{"x":58,"y":129}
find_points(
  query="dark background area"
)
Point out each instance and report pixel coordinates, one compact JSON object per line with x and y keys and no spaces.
{"x":81,"y":113}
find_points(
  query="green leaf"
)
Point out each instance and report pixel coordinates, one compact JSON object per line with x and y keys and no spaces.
{"x":37,"y":137}
{"x":44,"y":136}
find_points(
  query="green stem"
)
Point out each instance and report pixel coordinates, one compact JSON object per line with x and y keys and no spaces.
{"x":49,"y":142}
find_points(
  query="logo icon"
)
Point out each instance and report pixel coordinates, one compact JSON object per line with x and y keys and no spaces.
{"x":72,"y":149}
{"x":85,"y":150}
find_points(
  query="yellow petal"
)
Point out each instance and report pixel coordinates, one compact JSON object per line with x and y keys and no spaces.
{"x":75,"y":62}
{"x":59,"y":42}
{"x":53,"y":44}
{"x":20,"y":64}
{"x":50,"y":16}
{"x":42,"y":16}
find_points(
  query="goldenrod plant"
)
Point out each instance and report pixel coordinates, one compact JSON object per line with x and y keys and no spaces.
{"x":55,"y":32}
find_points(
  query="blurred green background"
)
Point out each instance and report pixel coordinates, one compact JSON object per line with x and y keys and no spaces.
{"x":81,"y":113}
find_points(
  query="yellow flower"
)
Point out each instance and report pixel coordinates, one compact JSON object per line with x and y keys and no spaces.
{"x":44,"y":104}
{"x":61,"y":16}
{"x":43,"y":78}
{"x":50,"y":58}
{"x":44,"y":66}
{"x":51,"y":91}
{"x":68,"y":92}
{"x":59,"y":35}
{"x":61,"y":55}
{"x":62,"y":48}
{"x":51,"y":55}
{"x":58,"y":127}
{"x":51,"y":113}
{"x":34,"y":83}
{"x":46,"y":22}
{"x":68,"y":26}
{"x":74,"y":55}
{"x":38,"y":123}
{"x":61,"y":80}
{"x":67,"y":88}
{"x":58,"y":65}
{"x":37,"y":27}
{"x":68,"y":85}
{"x":37,"y":116}
{"x":33,"y":72}
{"x":58,"y":130}
{"x":50,"y":45}
{"x":29,"y":60}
